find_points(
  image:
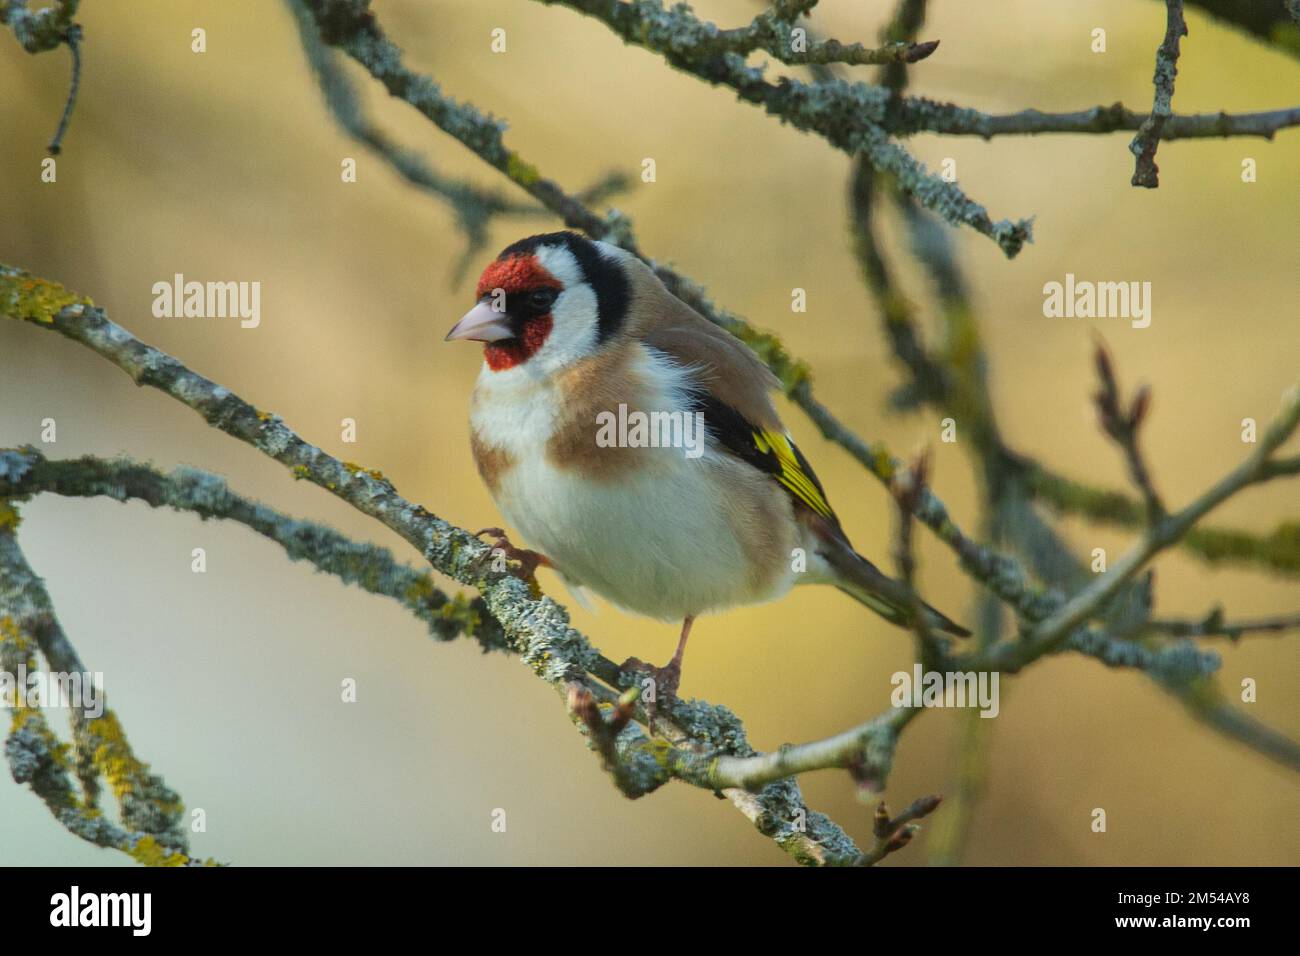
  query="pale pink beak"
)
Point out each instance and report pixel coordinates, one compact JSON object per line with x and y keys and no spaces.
{"x":482,"y":324}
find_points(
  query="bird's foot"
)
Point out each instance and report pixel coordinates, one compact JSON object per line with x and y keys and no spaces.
{"x":528,"y":561}
{"x":664,"y":681}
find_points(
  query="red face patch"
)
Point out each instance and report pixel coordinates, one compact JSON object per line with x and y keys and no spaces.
{"x":514,"y":276}
{"x":517,"y":274}
{"x":511,"y":352}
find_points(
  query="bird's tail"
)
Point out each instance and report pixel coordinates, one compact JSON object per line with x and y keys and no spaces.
{"x":862,"y":580}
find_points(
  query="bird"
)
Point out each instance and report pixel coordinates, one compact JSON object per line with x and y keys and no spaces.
{"x":582,"y":345}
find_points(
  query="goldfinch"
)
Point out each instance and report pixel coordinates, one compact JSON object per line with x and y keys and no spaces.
{"x":585,"y":428}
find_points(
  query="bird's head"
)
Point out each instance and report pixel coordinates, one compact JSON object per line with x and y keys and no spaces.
{"x":548,"y":301}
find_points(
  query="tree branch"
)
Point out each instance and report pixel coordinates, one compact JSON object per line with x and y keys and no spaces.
{"x":535,"y":628}
{"x":1122,"y":426}
{"x":1277,"y":550}
{"x":1146,"y":173}
{"x":25,"y":471}
{"x":151,"y":812}
{"x":894,"y":834}
{"x":43,"y":30}
{"x":474,"y":207}
{"x":869,"y":747}
{"x":1215,"y":625}
{"x":1161,"y":535}
{"x":848,"y":116}
{"x":921,"y":115}
{"x":46,"y":29}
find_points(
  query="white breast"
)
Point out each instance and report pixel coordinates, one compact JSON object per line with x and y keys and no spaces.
{"x":661,"y":539}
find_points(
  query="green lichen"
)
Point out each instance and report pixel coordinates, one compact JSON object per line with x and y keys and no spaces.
{"x":24,"y":296}
{"x":883,"y":463}
{"x":150,"y":852}
{"x":420,"y":591}
{"x":8,"y":518}
{"x":31,"y":721}
{"x":525,"y":174}
{"x":126,"y":774}
{"x":374,"y":473}
{"x":791,"y":372}
{"x":661,"y":751}
{"x":460,"y":611}
{"x":1278,"y":549}
{"x":11,"y":633}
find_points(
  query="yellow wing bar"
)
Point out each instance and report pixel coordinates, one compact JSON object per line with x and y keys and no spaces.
{"x":794,"y":473}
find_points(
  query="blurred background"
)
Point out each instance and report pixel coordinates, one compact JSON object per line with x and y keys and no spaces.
{"x":225,"y":166}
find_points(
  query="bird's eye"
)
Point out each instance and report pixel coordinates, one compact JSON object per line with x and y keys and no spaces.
{"x":542,"y":299}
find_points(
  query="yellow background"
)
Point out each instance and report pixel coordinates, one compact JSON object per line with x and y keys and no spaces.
{"x":225,"y":166}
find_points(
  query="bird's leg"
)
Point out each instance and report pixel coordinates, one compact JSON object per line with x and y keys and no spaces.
{"x":529,"y":561}
{"x":666,"y":679}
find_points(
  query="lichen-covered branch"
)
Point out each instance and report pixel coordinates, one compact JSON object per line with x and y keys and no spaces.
{"x":1206,"y":703}
{"x":702,"y":745}
{"x":25,"y":471}
{"x":1146,"y":173}
{"x":357,"y":33}
{"x":921,"y":115}
{"x":1177,"y":666}
{"x":931,"y":379}
{"x":151,"y":831}
{"x":869,"y":746}
{"x":1277,"y":550}
{"x":773,"y":32}
{"x":846,"y":123}
{"x":1258,"y":467}
{"x":474,"y":207}
{"x":849,"y":116}
{"x":1215,"y":624}
{"x":40,"y":30}
{"x":47,"y":29}
{"x":536,"y":628}
{"x":347,"y":24}
{"x":953,"y":380}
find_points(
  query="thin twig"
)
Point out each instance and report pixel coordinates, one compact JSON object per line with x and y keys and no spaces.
{"x":1122,"y":426}
{"x":73,"y":40}
{"x":1161,"y":535}
{"x":848,"y":116}
{"x":891,"y":835}
{"x":1277,"y":550}
{"x":921,"y":115}
{"x":1146,"y":172}
{"x":48,"y":29}
{"x":475,"y":207}
{"x":1215,"y":625}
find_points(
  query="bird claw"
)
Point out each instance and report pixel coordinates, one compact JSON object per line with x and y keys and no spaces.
{"x":666,"y":681}
{"x":528,"y":561}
